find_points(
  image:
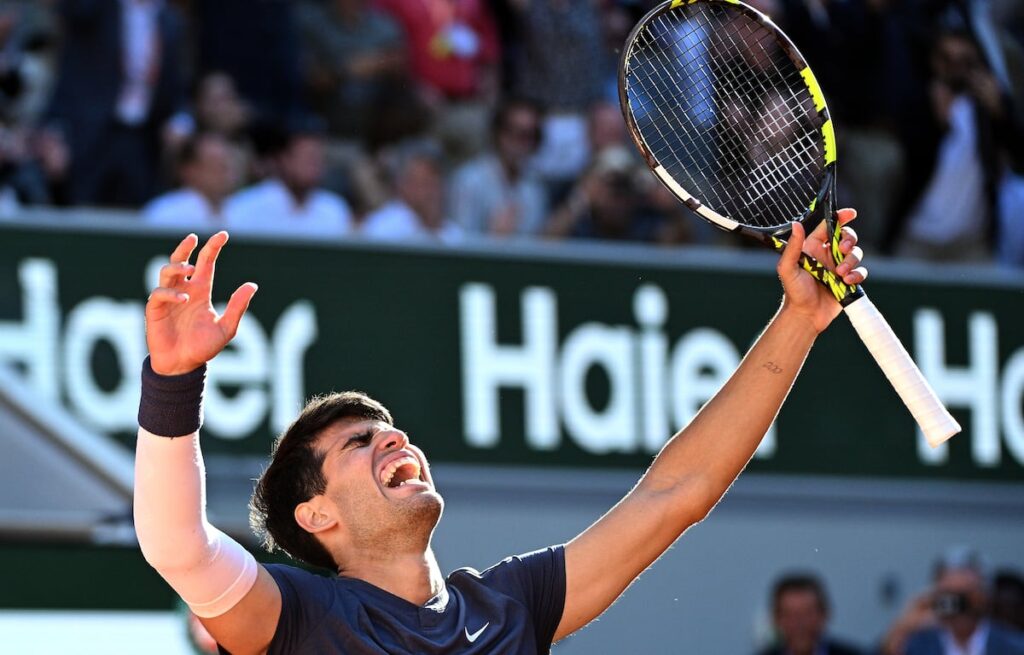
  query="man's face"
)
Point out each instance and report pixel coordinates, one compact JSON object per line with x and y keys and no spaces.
{"x":956,"y":61}
{"x":800,"y":620}
{"x":968,"y":585}
{"x":422,"y":188}
{"x":302,"y":163}
{"x":379,"y":485}
{"x":214,"y":173}
{"x":517,"y":138}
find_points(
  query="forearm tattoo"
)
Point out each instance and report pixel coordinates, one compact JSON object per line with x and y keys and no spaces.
{"x":772,"y":367}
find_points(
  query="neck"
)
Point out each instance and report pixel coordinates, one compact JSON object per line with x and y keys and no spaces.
{"x":962,"y":634}
{"x":298,"y":194}
{"x":509,"y":168}
{"x":413,"y":576}
{"x":216,"y":200}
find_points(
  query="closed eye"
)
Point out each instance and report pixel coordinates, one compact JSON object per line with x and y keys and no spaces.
{"x":360,"y":440}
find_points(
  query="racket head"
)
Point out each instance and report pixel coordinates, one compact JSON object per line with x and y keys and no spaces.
{"x":730,"y":118}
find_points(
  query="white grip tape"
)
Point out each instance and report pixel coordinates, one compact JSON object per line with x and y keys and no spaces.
{"x":919,"y":397}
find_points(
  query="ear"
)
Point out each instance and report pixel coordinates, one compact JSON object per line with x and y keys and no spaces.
{"x":314,"y":516}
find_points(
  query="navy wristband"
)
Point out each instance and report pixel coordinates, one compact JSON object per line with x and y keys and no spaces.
{"x":171,"y":405}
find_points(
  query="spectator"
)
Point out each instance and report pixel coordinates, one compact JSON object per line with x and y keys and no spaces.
{"x":417,"y":209}
{"x":1008,"y":599}
{"x":357,"y":71}
{"x":290,"y":200}
{"x":562,"y":68}
{"x":800,"y":613}
{"x":950,"y":196}
{"x":607,"y":203}
{"x":218,"y":107}
{"x":453,"y":56}
{"x":952,"y":618}
{"x":119,"y":83}
{"x":497,"y":193}
{"x":845,"y":43}
{"x":27,"y":36}
{"x":33,"y":167}
{"x":453,"y":45}
{"x":606,"y":127}
{"x":256,"y":44}
{"x":208,"y":172}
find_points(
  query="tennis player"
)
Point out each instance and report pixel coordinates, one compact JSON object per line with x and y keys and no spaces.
{"x":347,"y":491}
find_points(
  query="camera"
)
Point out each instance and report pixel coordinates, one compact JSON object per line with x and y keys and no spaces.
{"x":950,"y":604}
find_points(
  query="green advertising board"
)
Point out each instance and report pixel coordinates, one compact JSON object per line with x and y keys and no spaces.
{"x":569,"y":355}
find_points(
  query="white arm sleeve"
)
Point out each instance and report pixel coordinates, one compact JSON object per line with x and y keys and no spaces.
{"x":210,"y":571}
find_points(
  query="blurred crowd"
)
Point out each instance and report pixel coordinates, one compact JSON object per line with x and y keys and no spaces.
{"x":967,"y":610}
{"x":447,"y":119}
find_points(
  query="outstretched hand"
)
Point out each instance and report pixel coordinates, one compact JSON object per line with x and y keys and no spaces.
{"x":183,"y":331}
{"x":803,"y":293}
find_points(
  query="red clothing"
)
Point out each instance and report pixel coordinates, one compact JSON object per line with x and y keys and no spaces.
{"x":450,"y":42}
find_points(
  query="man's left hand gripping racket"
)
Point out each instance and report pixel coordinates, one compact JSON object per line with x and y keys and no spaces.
{"x":733,"y":122}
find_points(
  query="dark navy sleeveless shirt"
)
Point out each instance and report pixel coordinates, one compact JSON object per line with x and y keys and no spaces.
{"x":512,"y":608}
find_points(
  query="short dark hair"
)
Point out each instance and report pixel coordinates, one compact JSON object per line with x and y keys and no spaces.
{"x":800,"y":581}
{"x":513,"y":104}
{"x":295,"y":475}
{"x":189,"y":151}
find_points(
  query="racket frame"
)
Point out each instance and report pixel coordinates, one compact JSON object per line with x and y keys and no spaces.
{"x":822,"y":207}
{"x":934,"y":420}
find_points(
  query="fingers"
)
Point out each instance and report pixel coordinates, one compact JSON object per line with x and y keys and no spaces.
{"x":162,"y":297}
{"x":184,"y":250}
{"x":843,"y":216}
{"x":849,"y":270}
{"x":237,"y":305}
{"x":847,"y":240}
{"x":788,"y":262}
{"x":172,"y":274}
{"x":207,"y":260}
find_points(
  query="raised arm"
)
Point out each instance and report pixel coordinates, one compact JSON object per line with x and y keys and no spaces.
{"x":221,"y":582}
{"x":696,"y":467}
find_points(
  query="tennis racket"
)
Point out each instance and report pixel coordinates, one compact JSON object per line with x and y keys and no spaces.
{"x":733,"y":122}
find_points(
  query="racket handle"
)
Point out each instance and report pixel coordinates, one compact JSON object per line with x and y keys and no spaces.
{"x":919,"y":397}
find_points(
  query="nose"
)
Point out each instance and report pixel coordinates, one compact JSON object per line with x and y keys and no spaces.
{"x":394,"y":440}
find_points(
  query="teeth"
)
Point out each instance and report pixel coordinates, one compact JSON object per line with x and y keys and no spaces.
{"x":388,"y":473}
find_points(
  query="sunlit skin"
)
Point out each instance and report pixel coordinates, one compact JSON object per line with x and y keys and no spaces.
{"x":381,"y":534}
{"x":374,"y":532}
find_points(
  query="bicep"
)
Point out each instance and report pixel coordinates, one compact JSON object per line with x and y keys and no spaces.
{"x":249,"y":626}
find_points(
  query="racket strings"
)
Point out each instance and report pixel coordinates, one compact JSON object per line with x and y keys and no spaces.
{"x":735,"y":144}
{"x":730,"y":124}
{"x":766,"y":175}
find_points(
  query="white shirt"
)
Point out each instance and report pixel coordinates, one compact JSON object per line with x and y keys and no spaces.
{"x":183,"y":208}
{"x":953,"y":204}
{"x":480,"y":189}
{"x":396,"y":221}
{"x":975,"y":645}
{"x":269,"y":208}
{"x":140,"y":56}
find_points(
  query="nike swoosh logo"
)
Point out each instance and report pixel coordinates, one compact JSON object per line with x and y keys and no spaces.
{"x":473,"y":637}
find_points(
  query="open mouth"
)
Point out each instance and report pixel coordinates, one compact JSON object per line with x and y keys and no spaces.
{"x":400,"y":471}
